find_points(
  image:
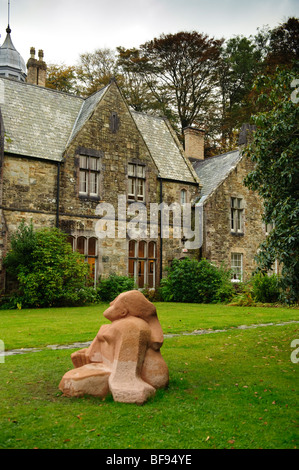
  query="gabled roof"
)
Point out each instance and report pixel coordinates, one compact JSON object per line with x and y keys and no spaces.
{"x":41,"y":122}
{"x":213,"y":170}
{"x":163,"y":147}
{"x":88,"y":106}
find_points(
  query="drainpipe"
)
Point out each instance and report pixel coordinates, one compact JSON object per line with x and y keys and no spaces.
{"x":161,"y":238}
{"x":58,"y":195}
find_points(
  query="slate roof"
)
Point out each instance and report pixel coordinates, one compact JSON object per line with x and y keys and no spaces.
{"x":166,"y":153}
{"x":40,"y":122}
{"x":212,"y":171}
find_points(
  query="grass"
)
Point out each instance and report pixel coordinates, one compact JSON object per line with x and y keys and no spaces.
{"x":40,"y":327}
{"x":234,"y":389}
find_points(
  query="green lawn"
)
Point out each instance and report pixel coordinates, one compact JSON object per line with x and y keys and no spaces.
{"x":40,"y":327}
{"x":233,"y":389}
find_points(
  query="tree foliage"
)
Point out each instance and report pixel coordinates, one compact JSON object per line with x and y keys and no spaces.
{"x":283,"y":48}
{"x":47,"y":271}
{"x":241,"y":61}
{"x":96,"y":69}
{"x":62,"y":78}
{"x":179,"y":70}
{"x":274,"y":149}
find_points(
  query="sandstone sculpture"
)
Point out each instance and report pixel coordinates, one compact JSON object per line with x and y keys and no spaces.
{"x":124,"y":358}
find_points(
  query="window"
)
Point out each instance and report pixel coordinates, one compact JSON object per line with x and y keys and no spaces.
{"x":183,"y":196}
{"x":89,"y":173}
{"x":142,"y":263}
{"x":114,"y":122}
{"x":237,"y":266}
{"x":237,"y":215}
{"x":87,"y":247}
{"x":136,"y":175}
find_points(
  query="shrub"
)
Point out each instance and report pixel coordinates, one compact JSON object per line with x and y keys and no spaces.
{"x":265,"y":288}
{"x":114,"y":285}
{"x":261,"y":288}
{"x":47,"y":271}
{"x":196,"y":282}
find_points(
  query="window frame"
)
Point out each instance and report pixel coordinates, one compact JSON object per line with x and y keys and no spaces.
{"x":90,"y":172}
{"x":237,"y":215}
{"x":183,"y":196}
{"x":134,"y":181}
{"x":236,"y":267}
{"x":144,"y":266}
{"x":73,"y":240}
{"x":88,"y":169}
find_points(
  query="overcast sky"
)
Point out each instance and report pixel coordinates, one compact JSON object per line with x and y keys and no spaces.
{"x":66,"y":28}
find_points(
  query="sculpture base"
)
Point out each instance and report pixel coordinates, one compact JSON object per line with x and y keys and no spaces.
{"x":90,"y":379}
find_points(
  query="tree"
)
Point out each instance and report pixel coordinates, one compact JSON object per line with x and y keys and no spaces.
{"x":62,"y":78}
{"x":284,"y":44}
{"x":96,"y":69}
{"x":240,"y":63}
{"x":47,"y":271}
{"x":179,"y":70}
{"x":274,"y":149}
{"x":134,"y":85}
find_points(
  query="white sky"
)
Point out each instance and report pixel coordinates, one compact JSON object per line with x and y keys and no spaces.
{"x":66,"y":28}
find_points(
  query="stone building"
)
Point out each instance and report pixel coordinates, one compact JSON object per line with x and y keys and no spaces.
{"x":93,"y":167}
{"x":64,"y":157}
{"x":232,"y":227}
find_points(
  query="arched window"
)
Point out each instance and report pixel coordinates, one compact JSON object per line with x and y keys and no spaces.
{"x":151,"y":264}
{"x":81,"y":245}
{"x":142,"y":263}
{"x":91,"y":255}
{"x":71,"y":240}
{"x":87,"y":247}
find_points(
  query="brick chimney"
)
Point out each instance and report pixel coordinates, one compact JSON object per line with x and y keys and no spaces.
{"x":194,"y":143}
{"x":36,"y":68}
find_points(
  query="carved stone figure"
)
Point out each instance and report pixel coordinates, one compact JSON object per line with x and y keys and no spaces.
{"x":124,"y":358}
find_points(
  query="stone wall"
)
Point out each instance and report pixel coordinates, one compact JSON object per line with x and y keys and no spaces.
{"x":219,"y":242}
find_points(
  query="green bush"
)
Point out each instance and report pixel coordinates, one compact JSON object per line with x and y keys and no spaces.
{"x":111,"y":287}
{"x":196,"y":282}
{"x":260,"y":289}
{"x":265,"y":288}
{"x":46,"y":270}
